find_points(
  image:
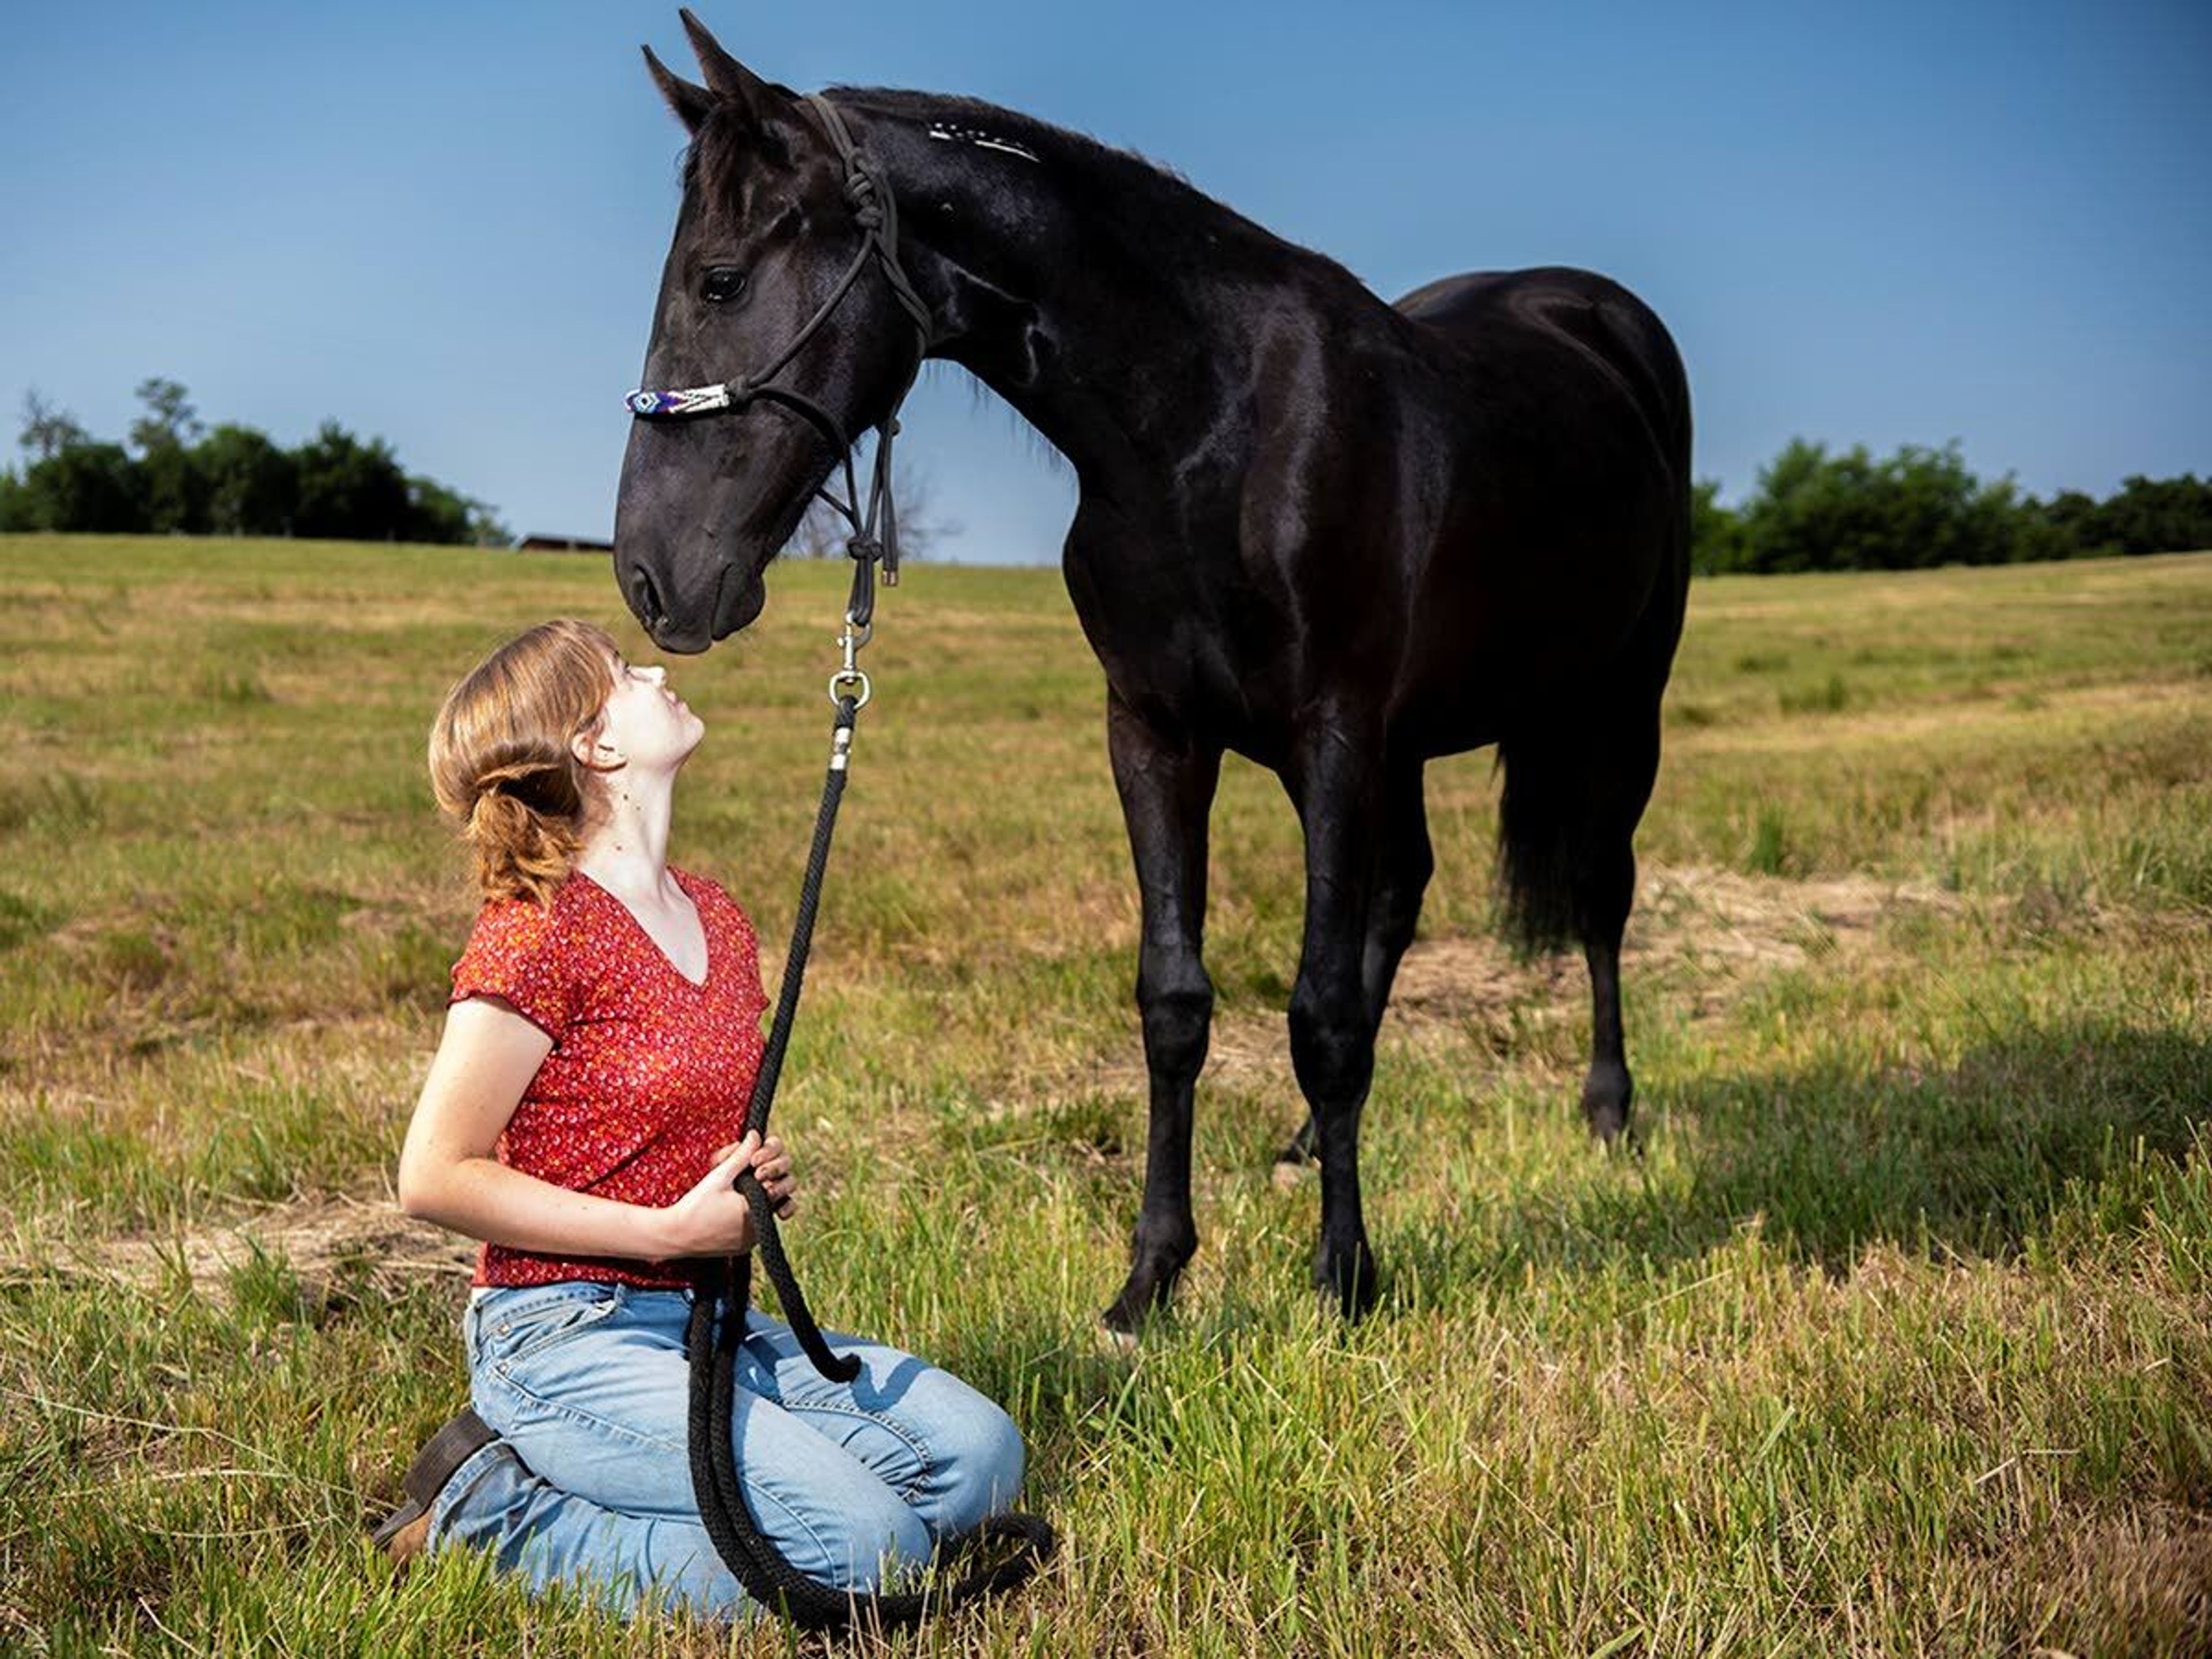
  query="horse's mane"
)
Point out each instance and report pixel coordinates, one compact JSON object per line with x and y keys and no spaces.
{"x":1153,"y":206}
{"x":1150,"y":196}
{"x":1058,"y":143}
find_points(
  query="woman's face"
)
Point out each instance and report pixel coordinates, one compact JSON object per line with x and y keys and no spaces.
{"x":647,"y":723}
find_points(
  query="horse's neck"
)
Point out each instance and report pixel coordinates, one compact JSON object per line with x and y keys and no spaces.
{"x":1117,"y":345}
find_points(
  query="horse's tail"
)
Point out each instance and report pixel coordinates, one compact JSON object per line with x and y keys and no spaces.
{"x":1577,"y":781}
{"x":1542,"y":859}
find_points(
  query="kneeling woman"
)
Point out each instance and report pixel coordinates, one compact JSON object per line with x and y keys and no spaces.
{"x":581,"y":1118}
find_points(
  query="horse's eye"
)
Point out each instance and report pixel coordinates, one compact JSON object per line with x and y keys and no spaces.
{"x":723,"y":282}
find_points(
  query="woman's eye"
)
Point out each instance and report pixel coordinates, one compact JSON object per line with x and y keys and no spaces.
{"x":723,"y":282}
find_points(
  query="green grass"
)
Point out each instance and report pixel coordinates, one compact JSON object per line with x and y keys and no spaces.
{"x":1896,"y":1340}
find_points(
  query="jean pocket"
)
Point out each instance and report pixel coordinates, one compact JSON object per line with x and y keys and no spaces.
{"x":515,"y":1325}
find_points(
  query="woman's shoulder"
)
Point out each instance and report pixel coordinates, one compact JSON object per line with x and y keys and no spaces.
{"x":522,"y":951}
{"x":523,"y":922}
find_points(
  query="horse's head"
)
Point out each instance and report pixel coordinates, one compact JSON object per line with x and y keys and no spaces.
{"x":768,"y":230}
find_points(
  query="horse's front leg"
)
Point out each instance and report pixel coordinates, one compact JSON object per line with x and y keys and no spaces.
{"x":1166,"y":783}
{"x":1408,"y":861}
{"x":1338,"y":784}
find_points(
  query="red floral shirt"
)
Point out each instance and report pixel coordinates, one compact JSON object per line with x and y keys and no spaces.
{"x":649,"y":1073}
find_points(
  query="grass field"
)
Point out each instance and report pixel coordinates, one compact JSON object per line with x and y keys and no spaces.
{"x":1896,"y":1339}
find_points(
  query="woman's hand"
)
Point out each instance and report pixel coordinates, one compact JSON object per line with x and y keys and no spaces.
{"x":772,"y":1169}
{"x":714,"y":1218}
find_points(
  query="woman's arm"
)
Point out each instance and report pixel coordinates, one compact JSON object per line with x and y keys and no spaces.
{"x":448,"y":1173}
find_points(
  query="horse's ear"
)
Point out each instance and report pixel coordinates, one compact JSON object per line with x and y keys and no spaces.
{"x":690,"y":103}
{"x":729,"y":80}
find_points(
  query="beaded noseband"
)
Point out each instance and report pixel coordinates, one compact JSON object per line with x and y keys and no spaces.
{"x":876,"y":210}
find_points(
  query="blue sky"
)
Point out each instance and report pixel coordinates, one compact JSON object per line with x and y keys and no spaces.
{"x":444,"y":224}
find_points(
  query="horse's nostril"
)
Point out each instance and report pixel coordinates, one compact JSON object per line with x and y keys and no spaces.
{"x":643,"y":601}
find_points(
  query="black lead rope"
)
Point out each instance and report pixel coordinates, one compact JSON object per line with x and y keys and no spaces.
{"x":724,"y":1291}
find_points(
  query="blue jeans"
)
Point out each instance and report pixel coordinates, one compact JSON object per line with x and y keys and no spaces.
{"x":590,"y":1483}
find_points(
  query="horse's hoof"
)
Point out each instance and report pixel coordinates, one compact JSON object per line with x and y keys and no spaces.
{"x":1136,"y":1307}
{"x":1351,"y":1310}
{"x":1607,"y":1095}
{"x":1120,"y":1344}
{"x":1616,"y":1133}
{"x":1156,"y":1263}
{"x":1347,"y":1289}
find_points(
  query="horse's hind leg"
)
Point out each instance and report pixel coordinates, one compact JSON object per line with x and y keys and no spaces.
{"x":1620,"y":791}
{"x":1408,"y":861}
{"x":1167,"y":791}
{"x":1609,"y":1090}
{"x":1567,"y":825}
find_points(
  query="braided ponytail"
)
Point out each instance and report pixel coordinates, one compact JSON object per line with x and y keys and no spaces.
{"x":501,"y":764}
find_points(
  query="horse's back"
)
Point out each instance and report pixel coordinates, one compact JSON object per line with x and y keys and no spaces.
{"x":1581,"y":308}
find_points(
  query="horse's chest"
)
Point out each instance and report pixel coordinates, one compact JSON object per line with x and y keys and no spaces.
{"x":1182,"y":650}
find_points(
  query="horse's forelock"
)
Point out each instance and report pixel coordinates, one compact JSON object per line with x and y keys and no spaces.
{"x":728,"y":150}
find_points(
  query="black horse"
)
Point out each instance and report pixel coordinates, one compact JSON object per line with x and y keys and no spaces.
{"x":1335,"y":536}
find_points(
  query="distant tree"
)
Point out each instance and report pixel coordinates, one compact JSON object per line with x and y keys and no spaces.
{"x":2158,"y":515}
{"x":2036,"y":540}
{"x":85,"y":486}
{"x":1815,"y":510}
{"x":47,"y":429}
{"x":2072,"y":521}
{"x":232,"y":481}
{"x":1805,"y":514}
{"x":486,"y":528}
{"x":253,"y":486}
{"x":821,"y":533}
{"x":171,"y":483}
{"x":170,"y":422}
{"x":350,"y":489}
{"x":434,"y":513}
{"x":16,"y":515}
{"x":1716,"y":545}
{"x":437,"y":513}
{"x":175,"y":491}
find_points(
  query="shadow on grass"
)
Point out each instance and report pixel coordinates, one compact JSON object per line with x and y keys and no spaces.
{"x":1970,"y":1160}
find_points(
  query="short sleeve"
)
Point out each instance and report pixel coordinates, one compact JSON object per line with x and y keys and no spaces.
{"x":517,"y":952}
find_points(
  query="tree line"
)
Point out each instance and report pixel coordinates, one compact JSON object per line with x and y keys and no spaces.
{"x":1813,"y":510}
{"x":173,"y":475}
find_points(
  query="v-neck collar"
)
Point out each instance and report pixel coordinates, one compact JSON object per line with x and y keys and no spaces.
{"x":646,"y":933}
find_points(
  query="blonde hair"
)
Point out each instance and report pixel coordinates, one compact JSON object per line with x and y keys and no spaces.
{"x":501,"y":764}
